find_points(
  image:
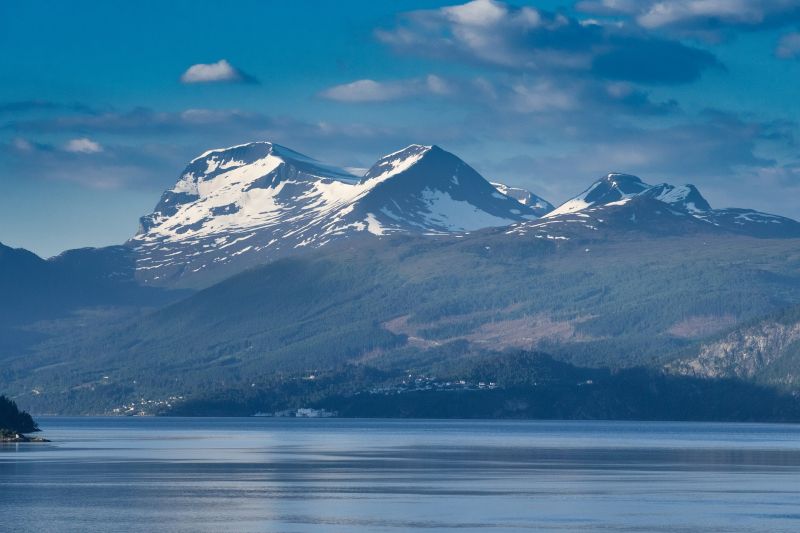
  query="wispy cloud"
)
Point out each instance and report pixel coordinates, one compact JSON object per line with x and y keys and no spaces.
{"x":26,"y":106}
{"x":108,"y":167}
{"x":375,"y":91}
{"x":140,"y":120}
{"x":83,"y":145}
{"x":220,"y":72}
{"x":22,"y":145}
{"x":523,"y":95}
{"x":789,"y":46}
{"x":565,"y":96}
{"x":712,"y":19}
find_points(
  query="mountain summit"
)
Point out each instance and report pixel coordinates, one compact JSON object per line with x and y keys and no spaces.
{"x":245,"y":205}
{"x":426,"y":189}
{"x":611,"y":188}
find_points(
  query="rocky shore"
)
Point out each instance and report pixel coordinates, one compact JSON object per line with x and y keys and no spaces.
{"x":11,"y":437}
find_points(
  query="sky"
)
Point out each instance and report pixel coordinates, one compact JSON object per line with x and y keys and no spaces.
{"x":102,"y":104}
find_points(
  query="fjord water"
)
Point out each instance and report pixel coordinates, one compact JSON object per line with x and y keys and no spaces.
{"x":335,"y":475}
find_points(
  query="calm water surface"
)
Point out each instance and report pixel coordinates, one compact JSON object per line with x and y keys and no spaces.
{"x":294,"y":475}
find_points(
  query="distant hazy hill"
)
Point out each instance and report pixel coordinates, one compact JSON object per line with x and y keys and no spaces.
{"x":35,"y":290}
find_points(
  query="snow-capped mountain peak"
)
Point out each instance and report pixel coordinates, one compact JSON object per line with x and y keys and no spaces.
{"x":625,"y":202}
{"x":397,"y":162}
{"x":234,"y":180}
{"x":219,"y":160}
{"x":255,"y":202}
{"x":429,"y":190}
{"x":613,"y":187}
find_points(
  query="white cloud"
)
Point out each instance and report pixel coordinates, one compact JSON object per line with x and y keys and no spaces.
{"x":704,"y":17}
{"x":221,"y":71}
{"x":477,"y":13}
{"x":83,"y":146}
{"x":365,"y":91}
{"x":376,"y":91}
{"x":541,"y":97}
{"x":436,"y":85}
{"x":789,"y":46}
{"x":490,"y":31}
{"x":676,"y":12}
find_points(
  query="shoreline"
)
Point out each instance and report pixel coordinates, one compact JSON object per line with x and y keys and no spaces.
{"x":745,"y":422}
{"x":17,"y":438}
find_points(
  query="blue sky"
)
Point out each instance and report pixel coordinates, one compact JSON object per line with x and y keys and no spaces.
{"x":102,"y":104}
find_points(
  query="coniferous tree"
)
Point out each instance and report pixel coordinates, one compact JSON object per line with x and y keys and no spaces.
{"x":13,"y":420}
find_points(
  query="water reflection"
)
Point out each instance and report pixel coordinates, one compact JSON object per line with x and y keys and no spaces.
{"x":340,"y":475}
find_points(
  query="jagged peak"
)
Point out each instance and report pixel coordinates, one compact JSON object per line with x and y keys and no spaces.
{"x":525,"y":197}
{"x":214,"y":151}
{"x":411,"y":148}
{"x":615,"y":184}
{"x":255,"y":151}
{"x":267,"y":155}
{"x":625,"y":183}
{"x":685,"y":196}
{"x":613,"y":176}
{"x":612,"y":187}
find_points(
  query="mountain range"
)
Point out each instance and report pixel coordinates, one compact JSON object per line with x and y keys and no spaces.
{"x":253,"y":203}
{"x":262,"y":267}
{"x":628,"y":201}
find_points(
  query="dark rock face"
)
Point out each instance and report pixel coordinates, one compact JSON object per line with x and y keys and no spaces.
{"x":539,"y":205}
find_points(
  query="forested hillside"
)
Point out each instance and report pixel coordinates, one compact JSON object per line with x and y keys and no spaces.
{"x":612,"y":301}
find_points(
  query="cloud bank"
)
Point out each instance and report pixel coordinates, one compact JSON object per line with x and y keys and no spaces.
{"x":526,"y":39}
{"x":710,"y":19}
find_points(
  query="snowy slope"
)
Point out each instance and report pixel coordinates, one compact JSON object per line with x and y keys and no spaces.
{"x":248,"y":204}
{"x":429,"y":190}
{"x":539,"y":205}
{"x":685,"y":197}
{"x":237,"y":202}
